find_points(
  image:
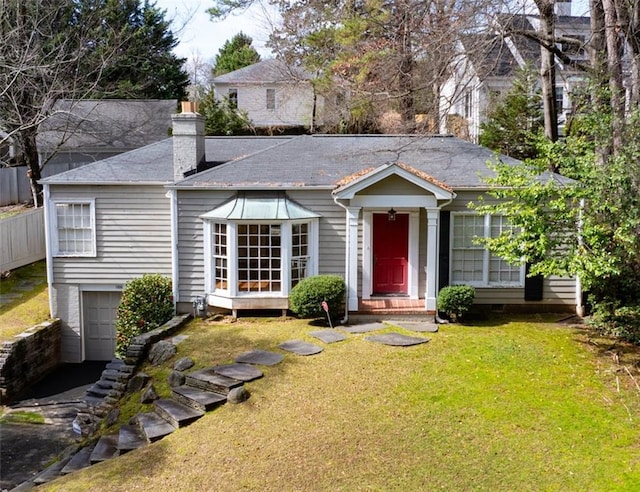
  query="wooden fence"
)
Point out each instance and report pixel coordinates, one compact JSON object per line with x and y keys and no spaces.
{"x":22,"y":239}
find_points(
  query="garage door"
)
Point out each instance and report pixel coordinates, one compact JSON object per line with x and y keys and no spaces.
{"x":99,"y":314}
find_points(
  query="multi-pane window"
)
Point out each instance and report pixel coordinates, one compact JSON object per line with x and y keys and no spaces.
{"x":471,"y":263}
{"x":259,"y":257}
{"x":75,"y":229}
{"x":468,"y":104}
{"x":271,"y":99}
{"x":468,"y":257}
{"x":232,"y":95}
{"x":220,"y":259}
{"x":299,"y":252}
{"x":501,"y":272}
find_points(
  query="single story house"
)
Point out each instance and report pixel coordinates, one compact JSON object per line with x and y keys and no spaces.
{"x":236,"y":222}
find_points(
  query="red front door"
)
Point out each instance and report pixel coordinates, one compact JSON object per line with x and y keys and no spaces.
{"x":390,"y":254}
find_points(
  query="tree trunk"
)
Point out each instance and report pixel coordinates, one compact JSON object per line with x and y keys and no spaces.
{"x":548,"y":69}
{"x":405,"y":78}
{"x":30,"y":155}
{"x":614,"y":43}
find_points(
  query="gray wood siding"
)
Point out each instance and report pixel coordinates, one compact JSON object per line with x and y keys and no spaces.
{"x":556,"y":290}
{"x":133,"y":234}
{"x":193,"y":203}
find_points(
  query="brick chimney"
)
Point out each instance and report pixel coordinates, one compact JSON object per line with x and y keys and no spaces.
{"x":188,"y":140}
{"x":563,"y":7}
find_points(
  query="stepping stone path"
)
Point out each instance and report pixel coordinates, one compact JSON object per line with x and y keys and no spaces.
{"x":328,"y":336}
{"x":301,"y":348}
{"x":397,"y":339}
{"x":363,"y":328}
{"x":260,"y":358}
{"x":203,"y":391}
{"x":418,"y":326}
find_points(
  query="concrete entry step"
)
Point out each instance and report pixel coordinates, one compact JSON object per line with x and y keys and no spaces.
{"x":106,"y":448}
{"x":177,"y":414}
{"x":129,"y":438}
{"x":198,"y":399}
{"x":209,"y":380}
{"x":153,"y":426}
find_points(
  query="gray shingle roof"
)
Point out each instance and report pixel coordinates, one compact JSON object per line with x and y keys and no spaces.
{"x":154,"y":163}
{"x":322,"y":161}
{"x":106,"y":123}
{"x":266,"y":71}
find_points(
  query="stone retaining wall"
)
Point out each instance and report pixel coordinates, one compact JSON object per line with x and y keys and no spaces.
{"x":28,"y":357}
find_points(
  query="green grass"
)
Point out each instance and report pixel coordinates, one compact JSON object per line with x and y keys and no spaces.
{"x":29,"y":309}
{"x":20,"y":417}
{"x":523,"y":405}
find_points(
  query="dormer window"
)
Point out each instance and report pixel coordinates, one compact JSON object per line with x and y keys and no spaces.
{"x":232,"y":95}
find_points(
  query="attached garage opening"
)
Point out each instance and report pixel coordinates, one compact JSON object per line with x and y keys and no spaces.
{"x":99,"y":315}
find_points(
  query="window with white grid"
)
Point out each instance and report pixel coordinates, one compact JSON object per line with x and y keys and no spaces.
{"x":220,"y":259}
{"x":467,"y":265}
{"x":299,"y":252}
{"x":501,"y":272}
{"x":471,"y":263}
{"x":75,"y":234}
{"x":259,"y":258}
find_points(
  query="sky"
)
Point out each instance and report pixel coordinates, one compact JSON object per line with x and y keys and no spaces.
{"x":202,"y":38}
{"x":199,"y":36}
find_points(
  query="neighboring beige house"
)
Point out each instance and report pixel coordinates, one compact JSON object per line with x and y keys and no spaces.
{"x":273,"y":94}
{"x":486,"y":66}
{"x":387,"y":212}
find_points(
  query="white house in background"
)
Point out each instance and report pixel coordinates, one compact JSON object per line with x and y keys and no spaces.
{"x":237,"y":222}
{"x":273,"y":94}
{"x":486,"y":65}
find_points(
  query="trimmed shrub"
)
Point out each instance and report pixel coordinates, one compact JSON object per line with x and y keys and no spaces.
{"x":147,"y":303}
{"x":306,"y":298}
{"x":456,"y":300}
{"x":617,"y":321}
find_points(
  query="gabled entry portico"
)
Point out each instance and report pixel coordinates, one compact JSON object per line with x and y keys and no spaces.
{"x":389,"y":254}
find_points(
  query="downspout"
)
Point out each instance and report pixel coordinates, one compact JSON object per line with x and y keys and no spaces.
{"x":47,"y":241}
{"x":173,"y":196}
{"x":347,"y":260}
{"x":579,"y":306}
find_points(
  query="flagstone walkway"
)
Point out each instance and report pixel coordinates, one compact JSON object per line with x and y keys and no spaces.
{"x":206,"y":389}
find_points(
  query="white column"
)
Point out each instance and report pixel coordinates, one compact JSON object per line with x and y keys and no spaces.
{"x":352,"y":214}
{"x":432,"y":259}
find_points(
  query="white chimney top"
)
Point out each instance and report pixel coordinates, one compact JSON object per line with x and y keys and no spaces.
{"x":188,"y":140}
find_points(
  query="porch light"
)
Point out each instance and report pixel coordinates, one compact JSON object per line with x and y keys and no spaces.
{"x":392,"y":215}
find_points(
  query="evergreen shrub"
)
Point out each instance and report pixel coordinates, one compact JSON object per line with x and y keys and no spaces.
{"x":147,"y":303}
{"x":306,"y":298}
{"x":456,"y":300}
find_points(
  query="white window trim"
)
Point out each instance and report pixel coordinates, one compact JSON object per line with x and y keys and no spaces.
{"x":232,"y":251}
{"x":486,"y":256}
{"x":53,"y":216}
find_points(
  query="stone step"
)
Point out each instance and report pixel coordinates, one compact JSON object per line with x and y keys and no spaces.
{"x":106,"y":448}
{"x":114,"y":364}
{"x":198,"y":399}
{"x":79,"y":461}
{"x":153,"y":426}
{"x":239,"y":371}
{"x":176,"y":413}
{"x":27,"y":485}
{"x":130,"y":438}
{"x":115,"y":375}
{"x":105,"y":383}
{"x":97,"y":390}
{"x":51,"y":472}
{"x":209,"y":380}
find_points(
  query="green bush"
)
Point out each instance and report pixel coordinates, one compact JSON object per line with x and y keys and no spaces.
{"x":147,"y":302}
{"x":456,"y":300}
{"x":618,"y":321}
{"x":306,"y":298}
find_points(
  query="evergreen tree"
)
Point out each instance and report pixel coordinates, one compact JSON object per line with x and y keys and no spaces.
{"x":516,"y":122}
{"x":222,"y":119}
{"x":235,"y":54}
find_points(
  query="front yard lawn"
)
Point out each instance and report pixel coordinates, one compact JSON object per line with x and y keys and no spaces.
{"x":509,"y":405}
{"x":31,"y":306}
